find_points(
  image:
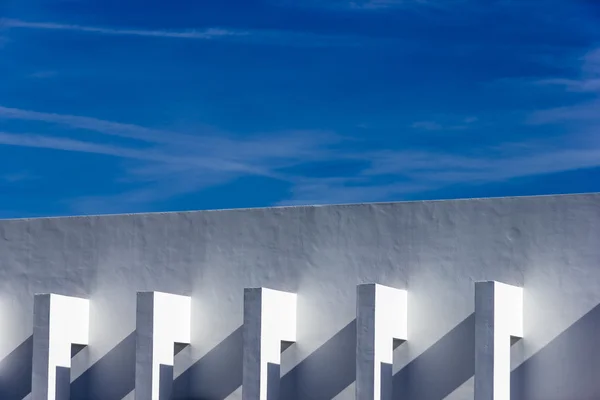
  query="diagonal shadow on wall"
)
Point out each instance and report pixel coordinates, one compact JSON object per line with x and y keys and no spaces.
{"x":221,"y":368}
{"x":15,"y":372}
{"x":322,"y":375}
{"x":442,"y":368}
{"x":110,"y":378}
{"x":567,"y":368}
{"x":325,"y":372}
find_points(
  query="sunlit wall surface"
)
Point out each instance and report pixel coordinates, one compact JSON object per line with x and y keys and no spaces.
{"x":269,"y":297}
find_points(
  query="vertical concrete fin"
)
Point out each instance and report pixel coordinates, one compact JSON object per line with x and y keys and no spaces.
{"x":162,"y":319}
{"x":498,"y":317}
{"x":269,"y":320}
{"x":381,"y":318}
{"x":58,"y":323}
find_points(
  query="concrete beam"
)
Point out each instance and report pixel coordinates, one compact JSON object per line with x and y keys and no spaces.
{"x":498,"y":318}
{"x":162,"y":319}
{"x":269,"y":320}
{"x":58,"y":323}
{"x":381,"y":318}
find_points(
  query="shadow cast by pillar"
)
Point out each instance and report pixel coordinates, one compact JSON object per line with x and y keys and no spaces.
{"x":63,"y":383}
{"x":110,"y":378}
{"x":440,"y":369}
{"x":566,"y":368}
{"x":15,"y":372}
{"x":326,"y":372}
{"x":216,"y":375}
{"x":165,"y":382}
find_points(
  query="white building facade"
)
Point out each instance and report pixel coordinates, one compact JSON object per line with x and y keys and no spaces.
{"x":486,"y":299}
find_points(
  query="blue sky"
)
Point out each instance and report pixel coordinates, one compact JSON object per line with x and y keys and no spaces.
{"x":110,"y":106}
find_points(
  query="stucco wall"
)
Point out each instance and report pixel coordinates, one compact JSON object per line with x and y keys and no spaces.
{"x":435,"y":250}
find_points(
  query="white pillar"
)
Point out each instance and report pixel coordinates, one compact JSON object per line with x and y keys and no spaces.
{"x":58,"y":322}
{"x":381,"y":318}
{"x":269,"y":319}
{"x":498,"y":317}
{"x":162,"y":319}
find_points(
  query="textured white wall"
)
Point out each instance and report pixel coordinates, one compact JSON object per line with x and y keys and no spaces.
{"x":435,"y":250}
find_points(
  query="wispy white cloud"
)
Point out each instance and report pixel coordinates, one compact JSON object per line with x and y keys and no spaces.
{"x":387,"y":4}
{"x":427,"y":125}
{"x":20,"y":176}
{"x":585,"y":111}
{"x":170,"y":163}
{"x":415,"y":172}
{"x":163,"y":163}
{"x":591,"y":63}
{"x":65,"y":144}
{"x":274,"y":147}
{"x":43,"y":74}
{"x":369,"y":5}
{"x":167,"y":164}
{"x":438,"y":126}
{"x":344,"y":191}
{"x":94,"y":124}
{"x":210,"y":33}
{"x":573,"y":85}
{"x":491,"y":165}
{"x":589,"y":76}
{"x":380,"y":4}
{"x":257,"y":36}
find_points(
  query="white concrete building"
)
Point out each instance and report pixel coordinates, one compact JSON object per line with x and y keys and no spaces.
{"x":469,"y":299}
